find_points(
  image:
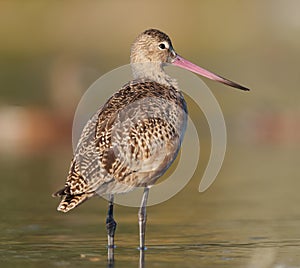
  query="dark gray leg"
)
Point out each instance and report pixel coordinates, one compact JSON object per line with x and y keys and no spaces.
{"x":111,"y":225}
{"x":143,"y":218}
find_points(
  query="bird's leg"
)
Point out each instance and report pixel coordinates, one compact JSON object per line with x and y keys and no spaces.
{"x":143,"y":218}
{"x":111,"y":225}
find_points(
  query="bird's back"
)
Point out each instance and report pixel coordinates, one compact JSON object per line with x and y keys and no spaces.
{"x":130,"y":142}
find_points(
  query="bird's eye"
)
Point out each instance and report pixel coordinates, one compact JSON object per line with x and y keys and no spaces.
{"x":163,"y":46}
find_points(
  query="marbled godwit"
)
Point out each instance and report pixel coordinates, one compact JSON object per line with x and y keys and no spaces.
{"x":135,"y":136}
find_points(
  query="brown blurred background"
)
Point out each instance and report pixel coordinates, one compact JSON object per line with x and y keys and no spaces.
{"x":52,"y":51}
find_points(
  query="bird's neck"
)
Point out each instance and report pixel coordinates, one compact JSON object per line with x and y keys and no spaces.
{"x":153,"y":71}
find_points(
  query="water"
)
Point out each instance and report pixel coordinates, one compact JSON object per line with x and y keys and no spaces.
{"x":248,"y":218}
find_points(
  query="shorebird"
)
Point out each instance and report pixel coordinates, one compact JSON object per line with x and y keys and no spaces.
{"x":135,"y":136}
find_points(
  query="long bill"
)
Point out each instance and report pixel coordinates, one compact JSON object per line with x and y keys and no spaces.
{"x":185,"y":64}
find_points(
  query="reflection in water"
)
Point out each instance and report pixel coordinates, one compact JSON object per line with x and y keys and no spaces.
{"x":111,"y":258}
{"x":142,"y":259}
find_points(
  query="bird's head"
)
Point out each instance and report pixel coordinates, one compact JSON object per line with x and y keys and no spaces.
{"x":156,"y":47}
{"x":152,"y":46}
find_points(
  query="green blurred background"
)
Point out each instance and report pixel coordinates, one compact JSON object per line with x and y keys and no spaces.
{"x":52,"y":51}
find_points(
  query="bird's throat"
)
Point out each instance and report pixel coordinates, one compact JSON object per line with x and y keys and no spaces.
{"x":153,"y":71}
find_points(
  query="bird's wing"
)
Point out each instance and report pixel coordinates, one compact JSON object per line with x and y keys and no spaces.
{"x":143,"y":146}
{"x":129,"y":142}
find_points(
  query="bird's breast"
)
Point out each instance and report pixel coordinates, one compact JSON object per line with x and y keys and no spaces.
{"x":137,"y":135}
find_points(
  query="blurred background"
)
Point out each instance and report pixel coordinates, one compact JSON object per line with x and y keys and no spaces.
{"x":52,"y":51}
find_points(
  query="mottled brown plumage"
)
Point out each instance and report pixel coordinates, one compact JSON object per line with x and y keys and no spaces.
{"x":136,"y":135}
{"x":130,"y":142}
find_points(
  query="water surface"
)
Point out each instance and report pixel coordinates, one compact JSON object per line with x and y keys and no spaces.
{"x":246,"y":219}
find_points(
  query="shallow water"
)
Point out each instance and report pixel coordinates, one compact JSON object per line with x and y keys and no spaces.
{"x":248,"y":218}
{"x":196,"y":246}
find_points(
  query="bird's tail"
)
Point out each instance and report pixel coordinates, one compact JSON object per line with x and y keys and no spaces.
{"x":69,"y":201}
